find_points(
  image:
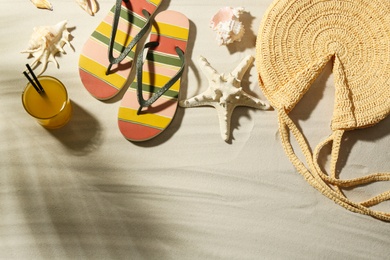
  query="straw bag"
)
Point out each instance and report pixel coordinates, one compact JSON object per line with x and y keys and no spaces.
{"x":296,"y":39}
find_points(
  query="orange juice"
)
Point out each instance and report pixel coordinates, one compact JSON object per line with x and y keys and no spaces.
{"x":52,"y":109}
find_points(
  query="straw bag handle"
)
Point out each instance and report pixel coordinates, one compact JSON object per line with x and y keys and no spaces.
{"x":329,"y":185}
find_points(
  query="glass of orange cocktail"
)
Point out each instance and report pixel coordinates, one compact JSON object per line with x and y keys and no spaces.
{"x":52,"y":108}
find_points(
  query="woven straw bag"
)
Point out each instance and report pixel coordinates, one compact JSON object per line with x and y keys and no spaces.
{"x":296,"y":39}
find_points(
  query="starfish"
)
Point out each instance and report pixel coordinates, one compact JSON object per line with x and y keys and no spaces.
{"x":225,"y":93}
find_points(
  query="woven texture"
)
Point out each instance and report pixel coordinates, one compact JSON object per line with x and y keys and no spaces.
{"x":296,"y":40}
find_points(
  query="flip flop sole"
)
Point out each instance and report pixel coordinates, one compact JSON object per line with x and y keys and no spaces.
{"x":170,"y":29}
{"x":94,"y":61}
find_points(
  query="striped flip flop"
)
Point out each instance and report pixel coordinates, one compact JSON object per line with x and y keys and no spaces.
{"x":106,"y":58}
{"x":150,"y":103}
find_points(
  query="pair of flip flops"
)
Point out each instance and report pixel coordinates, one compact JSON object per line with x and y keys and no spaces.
{"x":108,"y":56}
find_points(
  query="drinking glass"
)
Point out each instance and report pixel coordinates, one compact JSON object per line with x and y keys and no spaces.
{"x":52,"y":108}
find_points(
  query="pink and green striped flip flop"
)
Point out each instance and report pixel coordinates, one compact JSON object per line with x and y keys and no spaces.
{"x":106,"y":59}
{"x":150,"y":103}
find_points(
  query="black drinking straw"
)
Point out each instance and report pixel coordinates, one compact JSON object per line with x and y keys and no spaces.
{"x":32,"y":82}
{"x":36,"y":84}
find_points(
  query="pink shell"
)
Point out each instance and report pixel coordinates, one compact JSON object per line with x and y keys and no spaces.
{"x":226,"y":22}
{"x":223,"y":15}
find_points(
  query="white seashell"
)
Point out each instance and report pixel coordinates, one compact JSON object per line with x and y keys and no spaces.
{"x":90,"y":6}
{"x":46,"y":42}
{"x":42,"y":4}
{"x":226,"y":22}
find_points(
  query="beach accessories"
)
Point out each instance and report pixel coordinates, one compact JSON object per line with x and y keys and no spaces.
{"x":46,"y":42}
{"x":150,"y":103}
{"x":43,"y":4}
{"x":105,"y":75}
{"x":296,"y":40}
{"x":90,"y":6}
{"x":225,"y":93}
{"x":226,"y":23}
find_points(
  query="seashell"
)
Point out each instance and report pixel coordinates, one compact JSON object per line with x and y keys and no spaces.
{"x":46,"y":42}
{"x":226,"y":22}
{"x":43,"y":4}
{"x":90,"y":6}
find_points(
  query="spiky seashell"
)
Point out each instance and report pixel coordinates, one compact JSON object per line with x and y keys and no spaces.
{"x":43,"y":4}
{"x":226,"y":22}
{"x":46,"y":42}
{"x":90,"y":6}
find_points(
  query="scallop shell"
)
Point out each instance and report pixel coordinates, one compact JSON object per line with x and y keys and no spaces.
{"x":46,"y":42}
{"x":43,"y":4}
{"x":90,"y":6}
{"x":226,"y":22}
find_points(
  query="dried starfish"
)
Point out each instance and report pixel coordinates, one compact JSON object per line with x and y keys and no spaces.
{"x":225,"y":93}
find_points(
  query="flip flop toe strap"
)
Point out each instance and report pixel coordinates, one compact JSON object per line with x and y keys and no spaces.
{"x":134,"y":41}
{"x":145,"y":103}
